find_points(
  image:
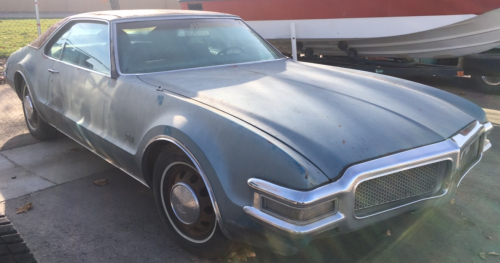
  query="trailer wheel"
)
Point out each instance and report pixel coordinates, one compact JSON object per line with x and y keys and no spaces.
{"x":309,"y":52}
{"x":486,"y":84}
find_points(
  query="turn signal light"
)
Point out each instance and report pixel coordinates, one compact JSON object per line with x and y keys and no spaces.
{"x":296,"y":214}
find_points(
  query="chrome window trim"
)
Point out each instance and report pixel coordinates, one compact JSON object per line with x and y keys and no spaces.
{"x":172,"y":17}
{"x":159,"y":18}
{"x":344,"y":188}
{"x":128,"y":19}
{"x":199,"y":68}
{"x":43,"y":47}
{"x":200,"y":170}
{"x":86,"y":69}
{"x":265,"y":40}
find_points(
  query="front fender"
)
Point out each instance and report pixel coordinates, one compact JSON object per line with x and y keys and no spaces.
{"x":230,"y":152}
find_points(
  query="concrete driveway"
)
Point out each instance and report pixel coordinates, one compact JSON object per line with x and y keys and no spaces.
{"x":73,"y":220}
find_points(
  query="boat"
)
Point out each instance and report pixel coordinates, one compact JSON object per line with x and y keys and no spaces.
{"x":377,"y":28}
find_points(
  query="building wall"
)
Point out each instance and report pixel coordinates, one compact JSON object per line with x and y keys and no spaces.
{"x":79,"y":6}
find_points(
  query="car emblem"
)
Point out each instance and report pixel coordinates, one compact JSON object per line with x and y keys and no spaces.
{"x":129,"y":138}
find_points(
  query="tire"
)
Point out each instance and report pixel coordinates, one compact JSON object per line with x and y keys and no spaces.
{"x":37,"y":127}
{"x":200,"y":235}
{"x":487,"y":85}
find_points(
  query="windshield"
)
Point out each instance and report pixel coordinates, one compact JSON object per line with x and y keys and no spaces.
{"x":155,"y":46}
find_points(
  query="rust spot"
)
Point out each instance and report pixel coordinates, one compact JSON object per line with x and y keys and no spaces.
{"x":343,"y":141}
{"x":340,"y":125}
{"x":307,"y":175}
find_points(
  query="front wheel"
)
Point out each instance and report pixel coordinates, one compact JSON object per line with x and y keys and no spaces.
{"x":37,"y":127}
{"x":486,"y":84}
{"x":185,"y":206}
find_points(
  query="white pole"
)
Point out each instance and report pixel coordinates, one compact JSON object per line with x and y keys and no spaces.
{"x":294,"y":42}
{"x":37,"y":18}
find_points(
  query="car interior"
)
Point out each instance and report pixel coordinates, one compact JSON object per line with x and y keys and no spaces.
{"x":189,"y":44}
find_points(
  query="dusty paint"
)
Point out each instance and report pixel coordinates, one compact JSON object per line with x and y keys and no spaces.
{"x":159,"y":99}
{"x":265,"y":96}
{"x":167,"y":131}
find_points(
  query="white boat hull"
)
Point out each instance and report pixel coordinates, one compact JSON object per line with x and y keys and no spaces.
{"x":352,"y":28}
{"x":469,"y":36}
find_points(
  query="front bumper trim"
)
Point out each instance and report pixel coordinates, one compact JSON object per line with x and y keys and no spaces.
{"x":344,"y":189}
{"x":321,"y":225}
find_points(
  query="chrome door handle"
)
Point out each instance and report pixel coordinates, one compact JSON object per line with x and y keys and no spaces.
{"x":53,"y":71}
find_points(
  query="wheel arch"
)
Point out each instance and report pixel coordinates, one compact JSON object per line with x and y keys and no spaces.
{"x":18,"y":79}
{"x":19,"y":76}
{"x":150,"y":154}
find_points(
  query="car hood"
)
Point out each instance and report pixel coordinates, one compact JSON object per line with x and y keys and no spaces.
{"x":334,"y":117}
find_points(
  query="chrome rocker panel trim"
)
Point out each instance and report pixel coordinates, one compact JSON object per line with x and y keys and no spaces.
{"x":344,"y":188}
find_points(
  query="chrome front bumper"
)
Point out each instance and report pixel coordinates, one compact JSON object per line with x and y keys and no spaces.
{"x":344,"y":219}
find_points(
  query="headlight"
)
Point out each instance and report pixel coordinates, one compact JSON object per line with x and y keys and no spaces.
{"x":297,"y":214}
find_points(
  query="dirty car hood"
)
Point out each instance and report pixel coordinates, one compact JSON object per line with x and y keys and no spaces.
{"x":334,"y":117}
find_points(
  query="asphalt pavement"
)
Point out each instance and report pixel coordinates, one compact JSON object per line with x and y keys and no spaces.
{"x":73,"y":220}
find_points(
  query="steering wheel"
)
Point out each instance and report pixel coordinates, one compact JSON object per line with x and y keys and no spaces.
{"x":224,"y":51}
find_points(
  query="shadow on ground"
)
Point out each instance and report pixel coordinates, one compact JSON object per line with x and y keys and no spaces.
{"x":80,"y":222}
{"x":18,"y":141}
{"x":118,"y":222}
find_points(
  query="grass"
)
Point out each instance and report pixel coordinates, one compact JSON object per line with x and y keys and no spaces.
{"x":17,"y":33}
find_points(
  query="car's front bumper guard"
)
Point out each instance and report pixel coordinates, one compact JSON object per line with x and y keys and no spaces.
{"x":343,"y":190}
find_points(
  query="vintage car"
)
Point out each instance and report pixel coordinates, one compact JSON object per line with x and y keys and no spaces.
{"x":237,"y":142}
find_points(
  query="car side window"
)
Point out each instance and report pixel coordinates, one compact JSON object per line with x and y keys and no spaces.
{"x":55,"y":50}
{"x":87,"y":46}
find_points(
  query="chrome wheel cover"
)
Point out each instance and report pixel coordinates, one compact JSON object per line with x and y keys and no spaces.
{"x":184,"y":203}
{"x":29,"y":110}
{"x":198,"y":231}
{"x":28,"y":107}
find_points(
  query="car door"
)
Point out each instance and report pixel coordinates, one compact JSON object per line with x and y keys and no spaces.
{"x":51,"y":53}
{"x":79,"y":84}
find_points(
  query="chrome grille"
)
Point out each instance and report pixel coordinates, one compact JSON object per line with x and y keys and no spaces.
{"x":400,"y":185}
